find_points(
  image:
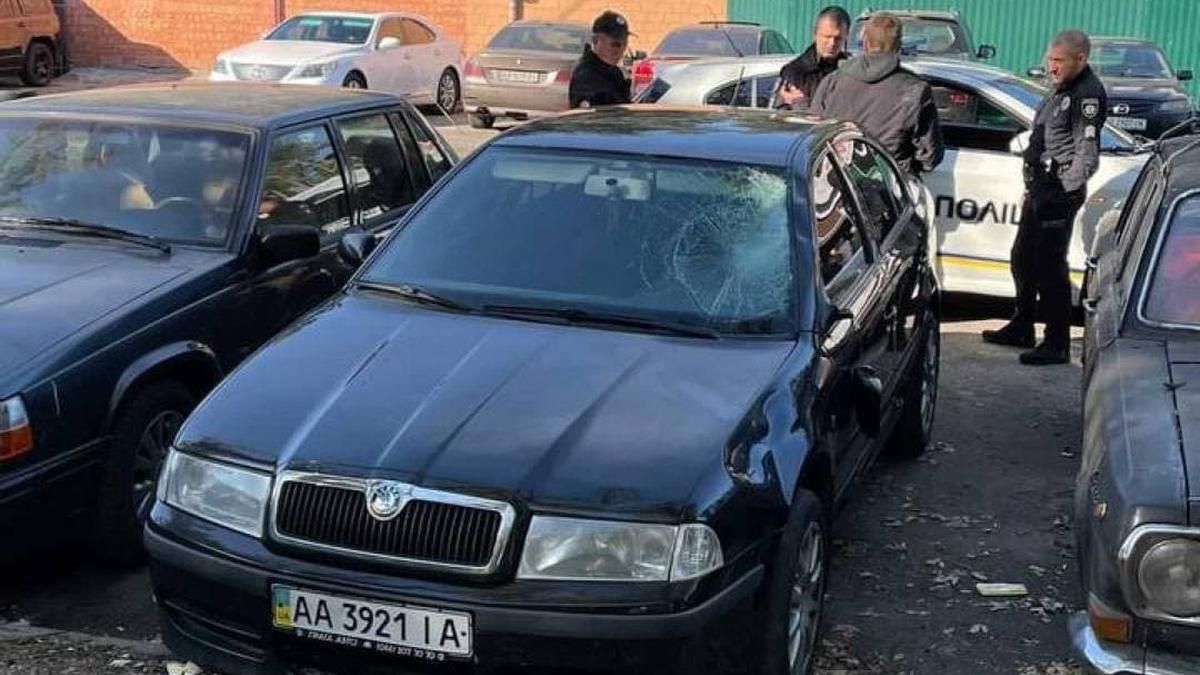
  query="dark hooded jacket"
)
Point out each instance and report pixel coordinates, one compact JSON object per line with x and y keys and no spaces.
{"x":597,"y":83}
{"x":887,"y":102}
{"x":807,"y":70}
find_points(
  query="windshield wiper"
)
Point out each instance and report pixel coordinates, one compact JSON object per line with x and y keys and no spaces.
{"x":72,"y":226}
{"x":416,"y":294}
{"x":588,"y":317}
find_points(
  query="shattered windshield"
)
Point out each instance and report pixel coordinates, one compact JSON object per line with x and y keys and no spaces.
{"x":695,"y":242}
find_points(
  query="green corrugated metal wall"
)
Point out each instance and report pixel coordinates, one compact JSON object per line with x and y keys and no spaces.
{"x":1019,"y":29}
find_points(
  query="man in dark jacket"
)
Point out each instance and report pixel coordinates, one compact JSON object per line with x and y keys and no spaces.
{"x":1063,"y":153}
{"x":800,"y":77}
{"x":884,"y":100}
{"x":598,"y":78}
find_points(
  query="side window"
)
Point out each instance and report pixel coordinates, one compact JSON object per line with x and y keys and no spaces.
{"x":785,"y":46}
{"x":1172,"y":294}
{"x":837,"y":236}
{"x":1142,"y":222}
{"x":413,"y":157}
{"x":876,"y":186}
{"x":436,"y":161}
{"x":764,"y":89}
{"x":739,"y":94}
{"x":417,"y":34}
{"x":381,"y":176}
{"x":391,"y":28}
{"x":970,"y":121}
{"x":303,"y":184}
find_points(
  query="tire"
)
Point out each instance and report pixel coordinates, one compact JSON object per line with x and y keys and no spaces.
{"x":478,"y":121}
{"x":795,"y":589}
{"x":913,"y":432}
{"x":355,"y":80}
{"x":449,"y":92}
{"x":38,"y":68}
{"x":142,"y":433}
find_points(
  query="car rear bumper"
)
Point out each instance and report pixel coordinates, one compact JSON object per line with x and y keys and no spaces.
{"x":519,"y":100}
{"x":215,"y":610}
{"x":1109,"y":658}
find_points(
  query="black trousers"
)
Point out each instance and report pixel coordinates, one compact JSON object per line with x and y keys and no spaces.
{"x":1039,"y":260}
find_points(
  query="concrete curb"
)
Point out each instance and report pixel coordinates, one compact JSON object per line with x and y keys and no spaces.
{"x":17,"y":631}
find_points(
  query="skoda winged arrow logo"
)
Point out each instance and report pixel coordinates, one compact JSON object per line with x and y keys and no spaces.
{"x":386,"y":499}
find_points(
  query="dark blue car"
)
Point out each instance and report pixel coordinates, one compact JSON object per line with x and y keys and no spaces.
{"x":150,"y":239}
{"x":601,"y":391}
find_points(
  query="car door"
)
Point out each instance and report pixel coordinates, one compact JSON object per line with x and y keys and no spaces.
{"x":420,"y":45}
{"x":977,"y":191}
{"x":303,"y":185}
{"x":385,"y":66}
{"x":382,"y":174}
{"x":12,"y":36}
{"x":855,"y":344}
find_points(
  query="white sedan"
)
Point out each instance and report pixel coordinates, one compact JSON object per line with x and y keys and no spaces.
{"x":976,"y":191}
{"x":396,"y":52}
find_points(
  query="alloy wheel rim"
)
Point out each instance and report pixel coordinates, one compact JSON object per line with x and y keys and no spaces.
{"x":804,"y":607}
{"x":151,"y":450}
{"x":929,"y":379}
{"x":449,"y":92}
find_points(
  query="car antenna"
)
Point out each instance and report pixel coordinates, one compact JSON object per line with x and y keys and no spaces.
{"x":736,"y":86}
{"x":717,"y":24}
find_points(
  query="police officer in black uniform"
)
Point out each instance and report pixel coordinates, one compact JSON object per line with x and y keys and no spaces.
{"x":1063,"y":153}
{"x":598,"y":78}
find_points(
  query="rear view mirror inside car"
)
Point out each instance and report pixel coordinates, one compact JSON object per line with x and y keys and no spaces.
{"x":617,"y":187}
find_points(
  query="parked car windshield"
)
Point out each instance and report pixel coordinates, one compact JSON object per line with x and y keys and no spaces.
{"x":709,"y":41}
{"x":174,"y":183}
{"x":1172,"y":296}
{"x":688,"y":241}
{"x":350,"y":30}
{"x":1139,"y":61}
{"x":562,"y":39}
{"x":923,"y":36}
{"x":1032,"y":95}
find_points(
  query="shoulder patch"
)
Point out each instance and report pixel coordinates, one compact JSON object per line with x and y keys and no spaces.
{"x":1089,"y":131}
{"x":1090,"y":107}
{"x":1064,"y":103}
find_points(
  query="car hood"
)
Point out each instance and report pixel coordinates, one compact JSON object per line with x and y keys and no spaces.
{"x":555,"y":417}
{"x":51,"y":291}
{"x":288,"y":52}
{"x":1124,"y":88}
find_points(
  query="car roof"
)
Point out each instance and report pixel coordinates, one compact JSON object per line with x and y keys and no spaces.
{"x":538,"y":22}
{"x":915,"y":14}
{"x":1183,"y":172}
{"x":696,"y":132}
{"x":732,"y":27}
{"x":261,"y":106}
{"x":1115,"y":39}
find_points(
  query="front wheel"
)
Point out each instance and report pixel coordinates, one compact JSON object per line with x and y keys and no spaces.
{"x":142,"y":436}
{"x":39,"y":65}
{"x":915,"y":429}
{"x":355,"y":80}
{"x":795,"y":588}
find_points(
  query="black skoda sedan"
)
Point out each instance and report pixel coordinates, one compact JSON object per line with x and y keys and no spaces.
{"x":599,"y":393}
{"x":150,"y":238}
{"x":1137,"y":495}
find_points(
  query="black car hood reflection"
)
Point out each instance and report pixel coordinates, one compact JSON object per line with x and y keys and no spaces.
{"x":50,"y":291}
{"x":556,"y":416}
{"x":1135,"y":89}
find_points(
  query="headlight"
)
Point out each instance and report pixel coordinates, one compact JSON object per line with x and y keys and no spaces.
{"x":1176,"y":105}
{"x":16,"y":435}
{"x":226,"y":495}
{"x":593,"y":550}
{"x":1169,"y":577}
{"x":315,"y":70}
{"x":221,"y":67}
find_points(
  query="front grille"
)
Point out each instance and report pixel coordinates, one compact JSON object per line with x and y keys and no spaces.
{"x":1136,"y":108}
{"x":432,"y":528}
{"x":260,"y":73}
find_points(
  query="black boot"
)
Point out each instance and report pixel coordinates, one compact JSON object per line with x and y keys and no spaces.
{"x":1046,"y":354}
{"x":1011,"y":335}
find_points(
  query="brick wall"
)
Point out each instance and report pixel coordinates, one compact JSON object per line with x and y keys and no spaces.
{"x":190,"y":33}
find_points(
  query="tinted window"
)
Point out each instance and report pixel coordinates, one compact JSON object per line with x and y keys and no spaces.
{"x":1032,"y":95}
{"x":764,"y":90}
{"x":874,"y":182}
{"x":562,"y":39}
{"x":710,"y":41}
{"x":972,"y":122}
{"x":838,"y":239}
{"x":414,"y":159}
{"x":923,"y":36}
{"x":696,"y":242}
{"x":1139,"y":61}
{"x":657,"y":89}
{"x":304,"y":185}
{"x":416,"y":33}
{"x":740,"y":94}
{"x":341,"y":29}
{"x":436,"y":161}
{"x":381,"y":176}
{"x":174,"y":183}
{"x":1173,"y":297}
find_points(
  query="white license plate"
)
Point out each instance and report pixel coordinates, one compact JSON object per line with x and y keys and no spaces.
{"x":400,"y":630}
{"x":1128,"y":123}
{"x":522,"y":76}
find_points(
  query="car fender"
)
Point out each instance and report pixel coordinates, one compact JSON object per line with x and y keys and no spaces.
{"x":190,"y":354}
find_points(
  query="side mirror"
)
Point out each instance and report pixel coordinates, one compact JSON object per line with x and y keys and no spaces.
{"x":837,"y":327}
{"x":284,"y":243}
{"x":868,"y":400}
{"x":1019,"y":142}
{"x":355,"y":247}
{"x":389,"y":43}
{"x":1036,"y":72}
{"x":986,"y":52}
{"x":1184,"y":75}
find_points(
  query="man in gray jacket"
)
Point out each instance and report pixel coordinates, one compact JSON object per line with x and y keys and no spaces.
{"x":884,"y":100}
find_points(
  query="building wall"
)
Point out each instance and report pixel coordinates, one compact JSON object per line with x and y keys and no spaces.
{"x":190,"y":33}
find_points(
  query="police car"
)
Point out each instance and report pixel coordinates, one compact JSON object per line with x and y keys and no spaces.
{"x":975,"y":194}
